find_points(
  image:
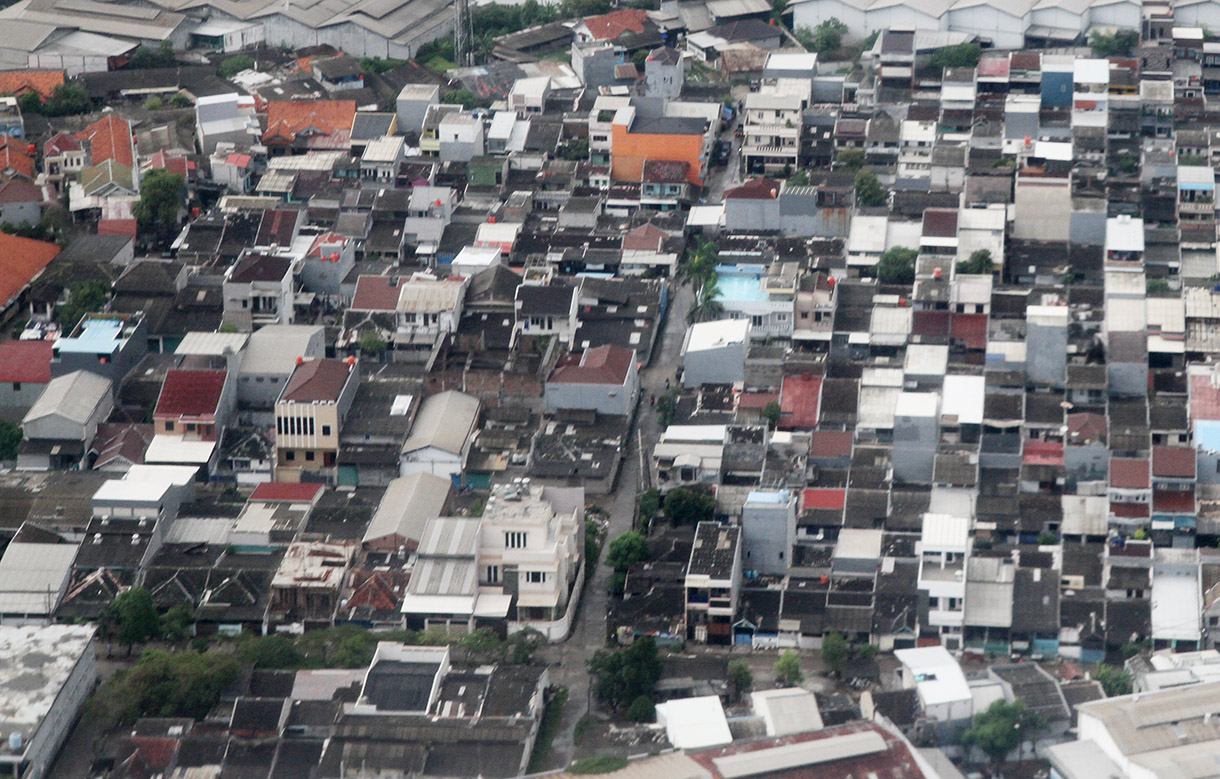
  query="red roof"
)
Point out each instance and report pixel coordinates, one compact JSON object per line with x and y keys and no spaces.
{"x":830,"y":444}
{"x":289,"y":492}
{"x":61,"y":143}
{"x":174,"y":163}
{"x":761,"y":188}
{"x":109,"y":139}
{"x":940,"y":223}
{"x":798,"y":405}
{"x":21,"y":82}
{"x":376,"y":293}
{"x":930,"y":323}
{"x":317,"y":381}
{"x":1129,"y":474}
{"x":971,"y":328}
{"x":823,"y":498}
{"x":19,"y":191}
{"x":239,"y":160}
{"x":757,"y":400}
{"x":1174,"y":462}
{"x":647,"y":237}
{"x":609,"y":26}
{"x":21,"y":260}
{"x":1043,"y":453}
{"x":287,"y":118}
{"x":14,"y":159}
{"x":608,"y":364}
{"x":188,"y":393}
{"x":1086,"y":427}
{"x":25,"y":362}
{"x":891,"y":762}
{"x":124,"y":227}
{"x":1204,"y":398}
{"x":1173,"y":501}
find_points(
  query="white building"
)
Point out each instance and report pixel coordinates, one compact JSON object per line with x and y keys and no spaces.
{"x":938,"y":680}
{"x":715,"y":352}
{"x":943,"y":549}
{"x":441,"y":436}
{"x":694,"y":723}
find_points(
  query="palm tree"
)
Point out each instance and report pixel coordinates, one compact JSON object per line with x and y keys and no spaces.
{"x":707,"y":305}
{"x":699,"y":266}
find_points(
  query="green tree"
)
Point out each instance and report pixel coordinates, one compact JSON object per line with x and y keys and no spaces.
{"x":274,"y":652}
{"x":135,"y":616}
{"x":963,"y":55}
{"x":463,"y":97}
{"x":483,"y":646}
{"x":84,"y":297}
{"x":771,"y":412}
{"x":10,"y":439}
{"x":68,"y":99}
{"x":788,"y":669}
{"x":523,"y":644}
{"x":835,"y":651}
{"x":30,"y":103}
{"x":897,"y":266}
{"x":145,"y":57}
{"x":577,"y":150}
{"x":378,"y":65}
{"x":869,"y":192}
{"x":176,"y":623}
{"x":631,"y":548}
{"x":620,"y":676}
{"x":231,"y":66}
{"x":1002,"y":728}
{"x":154,"y":103}
{"x":372,"y":344}
{"x":1114,"y":679}
{"x":160,"y":203}
{"x":798,"y":179}
{"x":1157,"y":287}
{"x":690,"y":505}
{"x":828,"y":36}
{"x":740,"y":678}
{"x":650,"y":502}
{"x":164,"y":684}
{"x":1121,"y":44}
{"x":707,"y":305}
{"x":699,"y":266}
{"x":642,"y":710}
{"x":180,"y":100}
{"x":980,"y":262}
{"x":850,"y":159}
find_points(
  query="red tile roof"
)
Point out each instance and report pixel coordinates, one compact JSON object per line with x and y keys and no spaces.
{"x":376,"y":293}
{"x":823,"y":498}
{"x":289,"y":492}
{"x":608,"y":364}
{"x":1204,"y":398}
{"x":109,"y":139}
{"x":25,"y":362}
{"x":798,"y":404}
{"x":971,"y":328}
{"x":757,"y":400}
{"x":828,"y":444}
{"x":1129,"y":510}
{"x":20,"y":191}
{"x":287,"y":118}
{"x":647,"y":237}
{"x":609,"y":26}
{"x":20,"y":82}
{"x":1129,"y":474}
{"x":930,"y":324}
{"x":317,"y":381}
{"x":61,"y":143}
{"x":761,"y":188}
{"x":188,"y":393}
{"x":1085,"y":427}
{"x":1174,"y":462}
{"x":277,"y":226}
{"x":940,"y":223}
{"x":664,"y":172}
{"x":116,"y":442}
{"x":125,"y":227}
{"x":21,"y":260}
{"x":13,"y":159}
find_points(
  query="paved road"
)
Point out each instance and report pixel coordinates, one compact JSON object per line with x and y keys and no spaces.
{"x":570,"y":659}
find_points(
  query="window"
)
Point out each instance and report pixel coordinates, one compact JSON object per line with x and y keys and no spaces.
{"x":190,"y":427}
{"x":16,"y":386}
{"x":290,"y":455}
{"x":309,"y":456}
{"x":493,"y":574}
{"x":514,"y":540}
{"x":325,"y":429}
{"x":535,"y":577}
{"x":169,"y":426}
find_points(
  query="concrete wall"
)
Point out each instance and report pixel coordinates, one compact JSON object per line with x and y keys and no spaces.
{"x":753,"y":216}
{"x":1046,"y":354}
{"x":56,"y":725}
{"x":767,"y":535}
{"x":21,"y":213}
{"x":608,"y":399}
{"x":725,"y":365}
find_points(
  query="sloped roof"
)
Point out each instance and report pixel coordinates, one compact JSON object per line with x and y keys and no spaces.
{"x":21,"y":260}
{"x":109,"y":139}
{"x":73,"y":396}
{"x":257,"y":267}
{"x":444,"y":422}
{"x":761,"y":188}
{"x":20,"y":191}
{"x":187,"y":393}
{"x":409,"y":502}
{"x":607,"y":364}
{"x":612,"y":25}
{"x":13,"y":158}
{"x":317,"y":381}
{"x":25,"y":362}
{"x":275,"y":491}
{"x":376,"y":293}
{"x":286,"y":119}
{"x":20,"y":82}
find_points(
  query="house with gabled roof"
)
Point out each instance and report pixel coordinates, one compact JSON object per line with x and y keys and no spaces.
{"x":294,"y":126}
